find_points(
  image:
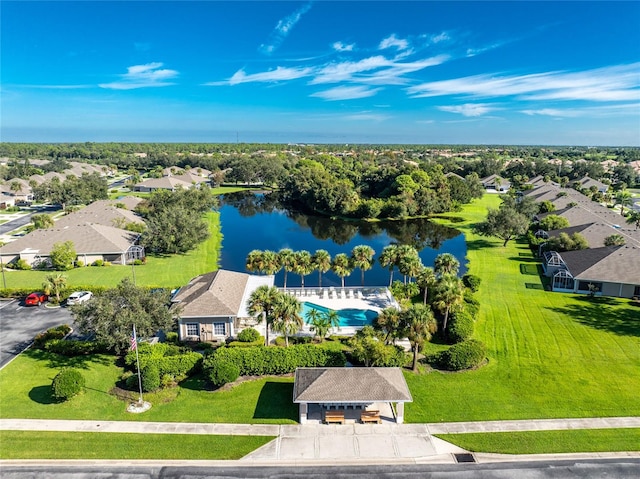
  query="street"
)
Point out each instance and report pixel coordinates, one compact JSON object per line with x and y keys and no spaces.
{"x":19,"y":324}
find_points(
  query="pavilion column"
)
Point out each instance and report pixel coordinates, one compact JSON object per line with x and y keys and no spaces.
{"x":303,"y":412}
{"x":400,"y":412}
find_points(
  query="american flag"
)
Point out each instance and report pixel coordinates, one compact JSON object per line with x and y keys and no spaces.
{"x":134,"y":341}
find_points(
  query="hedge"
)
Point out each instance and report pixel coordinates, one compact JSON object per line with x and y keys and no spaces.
{"x":263,"y":360}
{"x":168,"y":358}
{"x":465,"y":355}
{"x":57,"y":332}
{"x":69,"y":348}
{"x":248,"y":335}
{"x":222,"y":372}
{"x":150,"y":377}
{"x":242,"y":344}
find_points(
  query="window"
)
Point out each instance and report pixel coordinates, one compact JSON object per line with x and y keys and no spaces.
{"x":636,"y":291}
{"x":193,"y":329}
{"x":218,"y":329}
{"x":590,"y":286}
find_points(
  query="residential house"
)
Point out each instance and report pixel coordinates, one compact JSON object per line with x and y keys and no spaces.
{"x":102,"y":212}
{"x":170,"y":183}
{"x":213,"y":306}
{"x":495,"y":182}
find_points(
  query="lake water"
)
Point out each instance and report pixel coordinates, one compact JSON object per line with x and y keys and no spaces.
{"x":257,"y":222}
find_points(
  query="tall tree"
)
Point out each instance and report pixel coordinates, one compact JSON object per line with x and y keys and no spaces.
{"x":425,"y":279}
{"x":254,"y":261}
{"x":362,"y":258}
{"x":341,"y":266}
{"x":321,"y":260}
{"x":286,"y":256}
{"x":634,"y":218}
{"x":408,"y":261}
{"x":388,"y":259}
{"x":388,"y":321}
{"x":449,"y":295}
{"x":271,"y":262}
{"x":623,"y":198}
{"x":287,"y":319}
{"x":63,"y":255}
{"x":504,"y":223}
{"x":262,"y":303}
{"x":302,"y":264}
{"x":420,"y":327}
{"x":446,"y":263}
{"x":42,"y":221}
{"x":111,"y":315}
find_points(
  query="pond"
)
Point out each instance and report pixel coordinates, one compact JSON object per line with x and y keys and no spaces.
{"x":255,"y":221}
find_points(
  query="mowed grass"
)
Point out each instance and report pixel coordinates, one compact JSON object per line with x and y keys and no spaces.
{"x":92,"y":445}
{"x":25,"y":392}
{"x":548,"y":442}
{"x":159,"y":271}
{"x":550,"y":354}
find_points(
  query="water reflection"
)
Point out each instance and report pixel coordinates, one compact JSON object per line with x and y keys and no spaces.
{"x":258,"y":221}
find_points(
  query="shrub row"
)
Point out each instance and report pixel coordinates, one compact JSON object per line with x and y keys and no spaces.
{"x":460,"y":327}
{"x":243,"y":344}
{"x":75,"y":348}
{"x":57,"y":332}
{"x":262,"y":360}
{"x":281,"y":341}
{"x":169,"y":359}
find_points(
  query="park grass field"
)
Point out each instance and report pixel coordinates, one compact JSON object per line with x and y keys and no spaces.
{"x":550,"y":355}
{"x":92,"y":445}
{"x":159,"y":271}
{"x":548,"y":442}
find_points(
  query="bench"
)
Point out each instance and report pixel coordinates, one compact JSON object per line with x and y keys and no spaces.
{"x":334,"y":417}
{"x":370,"y":416}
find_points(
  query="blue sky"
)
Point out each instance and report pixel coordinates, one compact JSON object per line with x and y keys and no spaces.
{"x":556,"y":73}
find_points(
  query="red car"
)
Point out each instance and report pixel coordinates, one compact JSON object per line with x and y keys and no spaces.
{"x":35,"y":299}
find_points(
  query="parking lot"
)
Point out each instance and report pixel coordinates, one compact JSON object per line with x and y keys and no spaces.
{"x":20,"y":323}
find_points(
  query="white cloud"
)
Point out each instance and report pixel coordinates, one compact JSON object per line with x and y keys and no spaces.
{"x":143,"y":76}
{"x":469,"y":109}
{"x":395,"y":42}
{"x":279,"y":74}
{"x":441,"y":37}
{"x":367,"y":116}
{"x":632,"y":109}
{"x":552,"y":112}
{"x":343,"y":47}
{"x":344,"y":71}
{"x":346,"y":93}
{"x":614,"y":83}
{"x":282,"y":30}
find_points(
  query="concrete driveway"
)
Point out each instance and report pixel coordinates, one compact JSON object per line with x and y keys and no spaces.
{"x":19,"y":324}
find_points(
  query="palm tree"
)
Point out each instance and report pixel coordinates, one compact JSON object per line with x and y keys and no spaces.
{"x":319,"y":323}
{"x":321,"y":260}
{"x":254,"y":261}
{"x":634,"y":218}
{"x":302,"y":264}
{"x":449,"y":294}
{"x":407,"y":260}
{"x":262,"y":303}
{"x":287,"y":319}
{"x":362,"y":258}
{"x":271,"y":262}
{"x":388,"y":259}
{"x":425,"y":279}
{"x":286,"y":260}
{"x":389,"y":322}
{"x":333,"y":318}
{"x":446,"y":263}
{"x":341,"y":266}
{"x":421,"y":326}
{"x":623,"y":198}
{"x":54,"y":284}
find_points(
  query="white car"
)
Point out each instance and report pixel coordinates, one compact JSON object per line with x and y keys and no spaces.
{"x":79,"y":297}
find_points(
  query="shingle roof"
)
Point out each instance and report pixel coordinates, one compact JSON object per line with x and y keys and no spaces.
{"x":596,"y":233}
{"x":614,"y":264}
{"x":130,"y":202}
{"x":87,"y":239}
{"x":166,"y":182}
{"x":352,"y":385}
{"x":102,"y":212}
{"x":218,"y":293}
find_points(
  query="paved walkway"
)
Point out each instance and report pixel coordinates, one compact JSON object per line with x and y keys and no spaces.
{"x":365,"y":443}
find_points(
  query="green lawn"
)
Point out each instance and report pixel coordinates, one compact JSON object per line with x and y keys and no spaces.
{"x":550,"y":354}
{"x":25,"y":392}
{"x":170,"y":271}
{"x":548,"y":442}
{"x":93,"y":445}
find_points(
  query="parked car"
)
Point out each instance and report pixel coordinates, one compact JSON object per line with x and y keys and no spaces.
{"x":35,"y":299}
{"x":79,"y":297}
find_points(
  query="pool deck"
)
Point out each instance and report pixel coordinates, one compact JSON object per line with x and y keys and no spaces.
{"x":374,"y":298}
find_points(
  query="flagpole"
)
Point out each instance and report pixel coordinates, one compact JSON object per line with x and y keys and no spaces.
{"x":135,"y":345}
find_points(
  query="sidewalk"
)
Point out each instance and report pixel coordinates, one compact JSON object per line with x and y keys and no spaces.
{"x":356,"y":443}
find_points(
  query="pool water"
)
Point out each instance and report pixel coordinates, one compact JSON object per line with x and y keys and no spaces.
{"x":348,"y":317}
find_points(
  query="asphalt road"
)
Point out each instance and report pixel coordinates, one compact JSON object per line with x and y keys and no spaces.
{"x":611,"y":469}
{"x":19,"y":324}
{"x":26,"y":219}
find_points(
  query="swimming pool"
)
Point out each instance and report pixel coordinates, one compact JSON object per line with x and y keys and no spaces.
{"x":348,"y":317}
